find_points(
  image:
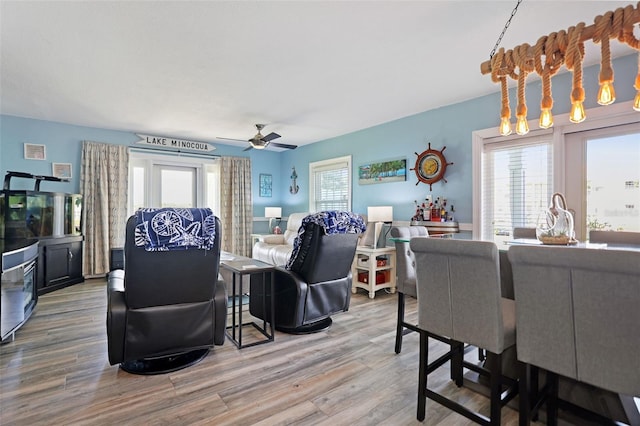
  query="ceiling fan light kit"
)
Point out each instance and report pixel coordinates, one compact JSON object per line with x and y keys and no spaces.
{"x":550,"y":53}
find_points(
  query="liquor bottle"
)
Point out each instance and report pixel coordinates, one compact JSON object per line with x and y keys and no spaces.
{"x":418,"y":215}
{"x":443,"y":210}
{"x":426,"y":214}
{"x":435,"y":211}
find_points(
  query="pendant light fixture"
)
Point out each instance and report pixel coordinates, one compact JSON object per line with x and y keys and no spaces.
{"x":548,"y":56}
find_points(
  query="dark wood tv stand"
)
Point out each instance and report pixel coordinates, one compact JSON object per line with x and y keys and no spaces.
{"x":59,"y":263}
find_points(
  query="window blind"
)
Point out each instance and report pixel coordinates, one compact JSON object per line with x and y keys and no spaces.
{"x":331,"y":186}
{"x":517,"y":182}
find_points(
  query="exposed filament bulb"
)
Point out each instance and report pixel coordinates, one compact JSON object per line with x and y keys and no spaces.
{"x":606,"y":94}
{"x":522,"y":127}
{"x":546,"y":119}
{"x":505,"y":126}
{"x":577,"y":114}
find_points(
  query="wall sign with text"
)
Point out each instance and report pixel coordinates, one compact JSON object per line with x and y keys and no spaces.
{"x":161,"y":142}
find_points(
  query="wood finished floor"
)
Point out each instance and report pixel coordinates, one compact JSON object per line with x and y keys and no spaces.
{"x":56,"y":373}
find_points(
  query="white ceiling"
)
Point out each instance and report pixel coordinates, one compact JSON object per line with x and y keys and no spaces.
{"x":311,"y":70}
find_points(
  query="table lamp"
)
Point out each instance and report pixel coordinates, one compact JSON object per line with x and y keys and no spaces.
{"x":379,"y":215}
{"x":273,"y":213}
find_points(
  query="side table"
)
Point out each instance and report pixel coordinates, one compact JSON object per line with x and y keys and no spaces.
{"x":374,"y":269}
{"x":239,"y":266}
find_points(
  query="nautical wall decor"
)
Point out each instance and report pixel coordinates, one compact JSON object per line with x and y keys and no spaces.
{"x":293,"y":188}
{"x":430,"y":166}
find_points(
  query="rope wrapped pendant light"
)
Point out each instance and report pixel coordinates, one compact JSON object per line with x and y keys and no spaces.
{"x":548,"y":56}
{"x":552,"y":64}
{"x":573,"y":61}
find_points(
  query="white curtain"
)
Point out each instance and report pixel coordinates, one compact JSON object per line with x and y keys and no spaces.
{"x":236,"y":207}
{"x":104,"y":183}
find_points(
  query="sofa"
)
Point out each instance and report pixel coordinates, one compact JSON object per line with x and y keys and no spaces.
{"x":276,"y":248}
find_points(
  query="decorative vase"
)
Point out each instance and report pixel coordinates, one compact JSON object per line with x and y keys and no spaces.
{"x":555,"y":225}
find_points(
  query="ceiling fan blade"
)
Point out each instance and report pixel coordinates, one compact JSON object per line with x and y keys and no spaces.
{"x":248,"y":148}
{"x":231,"y":139}
{"x":271,"y":136}
{"x":283,"y":145}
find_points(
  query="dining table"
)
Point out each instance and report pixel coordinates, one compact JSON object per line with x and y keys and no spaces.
{"x":592,"y":398}
{"x":506,"y":275}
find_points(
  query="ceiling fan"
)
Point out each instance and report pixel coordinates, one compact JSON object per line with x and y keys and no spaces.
{"x":258,"y":141}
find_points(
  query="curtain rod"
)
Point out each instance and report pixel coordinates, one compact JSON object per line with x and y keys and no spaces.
{"x":177,"y":152}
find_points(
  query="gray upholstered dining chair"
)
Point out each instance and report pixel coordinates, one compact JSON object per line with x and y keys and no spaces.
{"x":463,"y":304}
{"x":405,"y":275}
{"x":578,"y":317}
{"x":615,"y":237}
{"x":522,"y":232}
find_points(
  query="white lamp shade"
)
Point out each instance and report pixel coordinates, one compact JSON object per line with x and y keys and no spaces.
{"x":273,"y":212}
{"x":380,"y":214}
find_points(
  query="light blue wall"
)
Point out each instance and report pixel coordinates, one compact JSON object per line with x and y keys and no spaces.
{"x":64,"y":145}
{"x":449,"y":126}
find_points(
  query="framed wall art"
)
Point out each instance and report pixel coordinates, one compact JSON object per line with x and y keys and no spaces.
{"x":266,"y":183}
{"x":35,"y":152}
{"x":61,"y":170}
{"x":382,"y":172}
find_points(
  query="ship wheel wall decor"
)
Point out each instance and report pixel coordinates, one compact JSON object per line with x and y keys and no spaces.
{"x":430,"y":166}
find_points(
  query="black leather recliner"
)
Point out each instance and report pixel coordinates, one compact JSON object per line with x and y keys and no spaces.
{"x":166,"y":309}
{"x":317,"y":285}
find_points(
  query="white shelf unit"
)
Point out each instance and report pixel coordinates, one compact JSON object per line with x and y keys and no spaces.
{"x":365,"y":264}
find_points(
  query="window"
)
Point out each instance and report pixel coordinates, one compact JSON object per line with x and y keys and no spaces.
{"x":602,"y":174}
{"x":516,"y":184}
{"x":159,"y":180}
{"x":330,"y":184}
{"x":595,"y":164}
{"x":176,"y":185}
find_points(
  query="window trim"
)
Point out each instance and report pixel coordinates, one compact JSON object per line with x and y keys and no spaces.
{"x":610,"y":116}
{"x":327,"y":165}
{"x":148,"y":160}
